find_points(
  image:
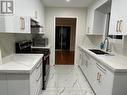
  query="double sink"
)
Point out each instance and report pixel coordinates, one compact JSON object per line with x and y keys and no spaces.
{"x":100,"y":52}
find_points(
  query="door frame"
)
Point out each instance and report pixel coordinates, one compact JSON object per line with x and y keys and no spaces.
{"x":55,"y":34}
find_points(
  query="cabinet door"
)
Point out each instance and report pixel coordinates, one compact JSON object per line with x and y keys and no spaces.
{"x":95,"y":19}
{"x":118,"y":19}
{"x":22,"y":24}
{"x":3,"y":84}
{"x":88,"y":67}
{"x":103,"y":81}
{"x":7,"y":24}
{"x":91,"y":71}
{"x":36,"y":80}
{"x":18,"y":84}
{"x":14,"y":24}
{"x":33,"y":84}
{"x":90,"y":19}
{"x":84,"y":63}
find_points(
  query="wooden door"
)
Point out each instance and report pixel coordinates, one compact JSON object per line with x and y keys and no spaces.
{"x":63,"y":54}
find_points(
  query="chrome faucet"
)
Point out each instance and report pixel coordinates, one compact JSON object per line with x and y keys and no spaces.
{"x":107,"y":47}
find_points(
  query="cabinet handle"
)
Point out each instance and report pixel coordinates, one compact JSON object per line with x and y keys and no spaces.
{"x":22,"y":23}
{"x":38,"y":78}
{"x":38,"y":65}
{"x":98,"y":76}
{"x":117,"y":25}
{"x":120,"y":22}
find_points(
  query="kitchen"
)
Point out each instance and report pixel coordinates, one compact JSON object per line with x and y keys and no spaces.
{"x":100,"y":48}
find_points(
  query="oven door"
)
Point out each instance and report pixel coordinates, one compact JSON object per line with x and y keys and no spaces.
{"x":46,"y":70}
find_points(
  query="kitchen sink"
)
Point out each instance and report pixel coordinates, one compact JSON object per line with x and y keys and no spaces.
{"x":99,"y":52}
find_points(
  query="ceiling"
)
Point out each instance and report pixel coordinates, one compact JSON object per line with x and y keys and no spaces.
{"x":64,"y":3}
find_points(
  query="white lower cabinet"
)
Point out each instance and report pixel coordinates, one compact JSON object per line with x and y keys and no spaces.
{"x":22,"y":84}
{"x":102,"y":80}
{"x":36,"y":81}
{"x":3,"y":84}
{"x":87,"y":66}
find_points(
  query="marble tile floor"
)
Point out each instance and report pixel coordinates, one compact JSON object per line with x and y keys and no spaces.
{"x":67,"y":80}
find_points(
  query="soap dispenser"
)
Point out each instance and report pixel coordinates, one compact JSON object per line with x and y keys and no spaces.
{"x":0,"y":57}
{"x":102,"y":45}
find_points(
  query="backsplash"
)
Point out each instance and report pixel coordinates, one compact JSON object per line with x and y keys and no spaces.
{"x":20,"y":37}
{"x":92,"y":41}
{"x":116,"y":45}
{"x":7,"y":44}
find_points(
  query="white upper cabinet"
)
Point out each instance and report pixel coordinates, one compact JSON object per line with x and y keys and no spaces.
{"x":32,"y":8}
{"x":23,"y":11}
{"x":118,"y":21}
{"x":90,"y":18}
{"x":96,"y":18}
{"x":15,"y":24}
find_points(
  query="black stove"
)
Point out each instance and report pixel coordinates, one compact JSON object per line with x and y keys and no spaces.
{"x":40,"y":51}
{"x":25,"y":47}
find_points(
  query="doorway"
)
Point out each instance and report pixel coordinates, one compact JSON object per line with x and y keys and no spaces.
{"x":63,"y":37}
{"x":65,"y":32}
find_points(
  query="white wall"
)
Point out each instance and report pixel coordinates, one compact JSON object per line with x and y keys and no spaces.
{"x":51,"y":13}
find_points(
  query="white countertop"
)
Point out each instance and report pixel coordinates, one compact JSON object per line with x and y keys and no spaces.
{"x":116,"y":63}
{"x":20,"y":63}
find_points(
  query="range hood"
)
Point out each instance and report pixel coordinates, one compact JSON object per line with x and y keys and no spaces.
{"x":35,"y":27}
{"x":35,"y":24}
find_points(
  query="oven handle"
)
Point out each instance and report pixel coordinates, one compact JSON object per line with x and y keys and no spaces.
{"x":46,"y":57}
{"x":38,"y":78}
{"x":38,"y":65}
